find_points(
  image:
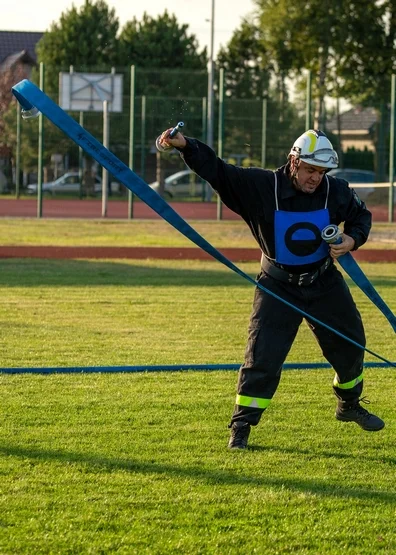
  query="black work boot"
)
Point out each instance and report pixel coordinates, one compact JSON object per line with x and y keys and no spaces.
{"x":356,"y":413}
{"x":239,"y":435}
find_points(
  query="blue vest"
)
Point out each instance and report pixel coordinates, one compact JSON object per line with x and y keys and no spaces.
{"x":298,"y":238}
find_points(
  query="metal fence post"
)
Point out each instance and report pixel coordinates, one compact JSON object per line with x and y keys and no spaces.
{"x":40,"y":152}
{"x":264,"y":134}
{"x":18,"y":152}
{"x":81,"y":159}
{"x":204,"y":117}
{"x":392,"y":150}
{"x":105,"y":173}
{"x":131,"y":137}
{"x":143,"y":138}
{"x":308,"y":106}
{"x":221,"y":135}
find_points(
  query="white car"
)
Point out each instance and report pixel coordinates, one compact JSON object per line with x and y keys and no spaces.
{"x":184,"y":183}
{"x":67,"y":183}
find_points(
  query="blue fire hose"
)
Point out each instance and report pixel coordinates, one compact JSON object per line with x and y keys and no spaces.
{"x":33,"y":101}
{"x":332,"y":235}
{"x":166,"y":368}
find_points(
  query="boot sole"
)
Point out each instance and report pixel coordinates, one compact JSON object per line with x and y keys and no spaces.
{"x":363,"y":428}
{"x":237,"y":447}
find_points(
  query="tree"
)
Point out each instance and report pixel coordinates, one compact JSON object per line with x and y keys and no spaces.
{"x":160,"y":43}
{"x":338,"y":41}
{"x":167,"y":57}
{"x":246,"y":64}
{"x":366,"y":64}
{"x":171,"y":72}
{"x":84,"y":39}
{"x":248,"y":73}
{"x":348,"y":46}
{"x":87,"y":39}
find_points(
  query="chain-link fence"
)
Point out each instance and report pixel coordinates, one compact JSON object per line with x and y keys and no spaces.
{"x":247,"y":131}
{"x":160,"y":100}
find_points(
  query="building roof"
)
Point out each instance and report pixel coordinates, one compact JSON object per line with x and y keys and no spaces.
{"x":23,"y":57}
{"x":14,"y":42}
{"x":355,"y":119}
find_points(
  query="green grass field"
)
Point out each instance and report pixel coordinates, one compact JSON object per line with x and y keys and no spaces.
{"x":138,"y":233}
{"x":133,"y":463}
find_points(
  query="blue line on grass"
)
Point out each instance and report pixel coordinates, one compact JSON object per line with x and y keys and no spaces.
{"x":168,"y":368}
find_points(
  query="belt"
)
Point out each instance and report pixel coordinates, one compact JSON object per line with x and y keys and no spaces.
{"x":296,"y":279}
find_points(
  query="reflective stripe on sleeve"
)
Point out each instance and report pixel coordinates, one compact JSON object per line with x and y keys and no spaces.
{"x":347,"y":385}
{"x":252,"y":402}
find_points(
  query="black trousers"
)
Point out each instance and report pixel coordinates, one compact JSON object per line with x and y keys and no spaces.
{"x":273,"y":328}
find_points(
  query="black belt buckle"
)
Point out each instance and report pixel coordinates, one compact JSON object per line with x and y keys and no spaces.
{"x":306,"y":279}
{"x":301,"y":280}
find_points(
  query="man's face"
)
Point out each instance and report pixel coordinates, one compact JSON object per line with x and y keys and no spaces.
{"x":308,"y":177}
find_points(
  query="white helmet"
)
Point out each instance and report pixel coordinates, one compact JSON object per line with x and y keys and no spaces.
{"x":313,"y":147}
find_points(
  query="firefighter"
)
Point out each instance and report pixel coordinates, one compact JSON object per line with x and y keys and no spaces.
{"x":286,"y":210}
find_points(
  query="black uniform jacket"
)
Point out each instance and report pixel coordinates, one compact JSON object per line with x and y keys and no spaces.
{"x":250,"y":192}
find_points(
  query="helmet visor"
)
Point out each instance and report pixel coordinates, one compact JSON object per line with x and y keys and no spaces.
{"x":321,"y":156}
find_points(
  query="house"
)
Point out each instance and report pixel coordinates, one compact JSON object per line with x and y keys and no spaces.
{"x":18,"y":47}
{"x":357,"y":128}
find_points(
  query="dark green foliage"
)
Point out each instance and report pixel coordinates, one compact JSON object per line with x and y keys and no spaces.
{"x":246,"y":64}
{"x":350,"y":47}
{"x":81,"y":38}
{"x":160,"y":43}
{"x":363,"y":159}
{"x":88,"y":39}
{"x":249,"y":67}
{"x":243,"y":120}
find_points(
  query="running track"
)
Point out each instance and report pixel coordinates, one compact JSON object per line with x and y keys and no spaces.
{"x":118,"y":209}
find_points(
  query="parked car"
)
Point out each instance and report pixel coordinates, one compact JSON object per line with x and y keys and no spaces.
{"x":183,"y":183}
{"x":69,"y":183}
{"x":354,"y":176}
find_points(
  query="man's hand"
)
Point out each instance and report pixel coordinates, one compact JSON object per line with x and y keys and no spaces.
{"x":345,"y":246}
{"x":178,"y":141}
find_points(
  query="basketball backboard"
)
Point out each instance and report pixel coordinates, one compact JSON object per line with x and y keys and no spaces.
{"x":86,"y":92}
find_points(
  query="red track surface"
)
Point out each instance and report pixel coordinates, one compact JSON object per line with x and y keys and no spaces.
{"x":175,"y":253}
{"x":92,"y":208}
{"x":53,"y":208}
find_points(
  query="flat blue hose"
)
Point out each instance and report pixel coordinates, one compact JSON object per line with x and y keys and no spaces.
{"x":332,"y":235}
{"x":168,"y":368}
{"x":31,"y":97}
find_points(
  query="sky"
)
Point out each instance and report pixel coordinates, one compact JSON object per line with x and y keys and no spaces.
{"x":38,"y":15}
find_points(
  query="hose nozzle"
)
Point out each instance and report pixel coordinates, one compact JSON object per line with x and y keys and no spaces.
{"x":331,"y":234}
{"x":30,"y":114}
{"x":172,"y":134}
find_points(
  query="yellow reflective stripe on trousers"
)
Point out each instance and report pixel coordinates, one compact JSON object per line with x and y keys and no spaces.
{"x":253,"y":402}
{"x":348,"y":385}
